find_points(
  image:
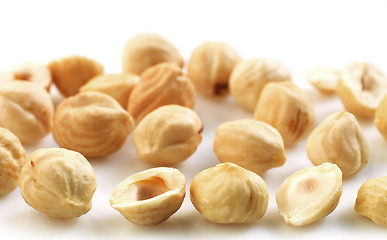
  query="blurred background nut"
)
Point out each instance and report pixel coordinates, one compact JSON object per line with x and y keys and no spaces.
{"x":309,"y":194}
{"x":168,"y":135}
{"x":145,"y":50}
{"x":371,"y":200}
{"x":339,"y":139}
{"x":381,"y":117}
{"x":26,"y":110}
{"x":58,"y":182}
{"x":228,"y":193}
{"x":248,"y":78}
{"x":210,"y":67}
{"x":160,"y":85}
{"x":361,"y":88}
{"x":12,"y":158}
{"x":118,"y":86}
{"x":324,"y":79}
{"x":251,"y":144}
{"x":91,"y":123}
{"x":287,"y":108}
{"x":150,"y":197}
{"x":70,"y":73}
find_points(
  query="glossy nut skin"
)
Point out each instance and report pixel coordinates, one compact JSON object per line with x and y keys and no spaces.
{"x":91,"y":123}
{"x":168,"y":135}
{"x":145,"y":50}
{"x":58,"y":182}
{"x":26,"y":109}
{"x":210,"y":67}
{"x":160,"y":85}
{"x":12,"y":158}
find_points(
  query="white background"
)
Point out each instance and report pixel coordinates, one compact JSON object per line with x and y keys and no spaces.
{"x":301,"y":34}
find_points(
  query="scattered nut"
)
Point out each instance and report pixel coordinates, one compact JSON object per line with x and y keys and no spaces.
{"x":309,"y":194}
{"x":324,"y":79}
{"x":70,"y":73}
{"x":160,"y":85}
{"x":145,"y":50}
{"x":381,"y":117}
{"x":228,"y":193}
{"x":287,"y":108}
{"x":251,"y":144}
{"x":339,"y":139}
{"x":248,"y":78}
{"x":371,"y":200}
{"x":150,"y":197}
{"x":12,"y":158}
{"x":26,"y":110}
{"x":91,"y":123}
{"x":58,"y":182}
{"x":361,"y":87}
{"x":168,"y":135}
{"x":210,"y":67}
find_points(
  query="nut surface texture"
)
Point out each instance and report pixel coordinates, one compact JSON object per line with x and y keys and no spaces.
{"x":381,"y":117}
{"x":58,"y":182}
{"x":168,"y":135}
{"x":91,"y":123}
{"x":339,"y":139}
{"x":288,"y":109}
{"x":150,"y":197}
{"x":248,"y":78}
{"x":145,"y":50}
{"x":160,"y":85}
{"x":251,"y":144}
{"x":309,"y":194}
{"x":210,"y":67}
{"x":12,"y":158}
{"x":228,"y":193}
{"x":324,"y":79}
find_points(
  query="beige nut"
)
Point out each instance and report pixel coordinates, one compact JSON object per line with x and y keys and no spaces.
{"x":210,"y":67}
{"x":371,"y":200}
{"x":309,"y":194}
{"x":250,"y":76}
{"x":160,"y":85}
{"x":145,"y":50}
{"x":70,"y":73}
{"x":251,"y":144}
{"x":26,"y":109}
{"x":228,"y":193}
{"x":91,"y":123}
{"x":361,"y":88}
{"x":58,"y":182}
{"x":168,"y":135}
{"x":118,"y":86}
{"x":288,"y":109}
{"x":31,"y":72}
{"x":339,"y":139}
{"x":381,"y":117}
{"x":150,"y":197}
{"x":324,"y":79}
{"x":12,"y":158}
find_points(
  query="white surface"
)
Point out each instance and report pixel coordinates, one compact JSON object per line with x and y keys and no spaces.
{"x":302,"y":34}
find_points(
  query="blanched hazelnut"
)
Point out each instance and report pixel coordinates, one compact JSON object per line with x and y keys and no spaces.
{"x":324,"y":79}
{"x":381,"y":117}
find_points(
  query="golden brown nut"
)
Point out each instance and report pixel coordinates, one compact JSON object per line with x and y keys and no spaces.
{"x":324,"y":79}
{"x":70,"y":73}
{"x":150,"y":197}
{"x":250,"y":76}
{"x":168,"y":135}
{"x":12,"y":158}
{"x":288,"y":109}
{"x":339,"y":139}
{"x":210,"y":67}
{"x":118,"y":86}
{"x":251,"y":144}
{"x":381,"y":117}
{"x":228,"y":193}
{"x":309,"y":194}
{"x":160,"y":85}
{"x":361,"y":88}
{"x":26,"y":110}
{"x":91,"y":123}
{"x":145,"y":50}
{"x":371,"y":200}
{"x":58,"y":182}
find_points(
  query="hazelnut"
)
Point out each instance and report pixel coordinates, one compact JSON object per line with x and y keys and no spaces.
{"x":324,"y":79}
{"x":381,"y":117}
